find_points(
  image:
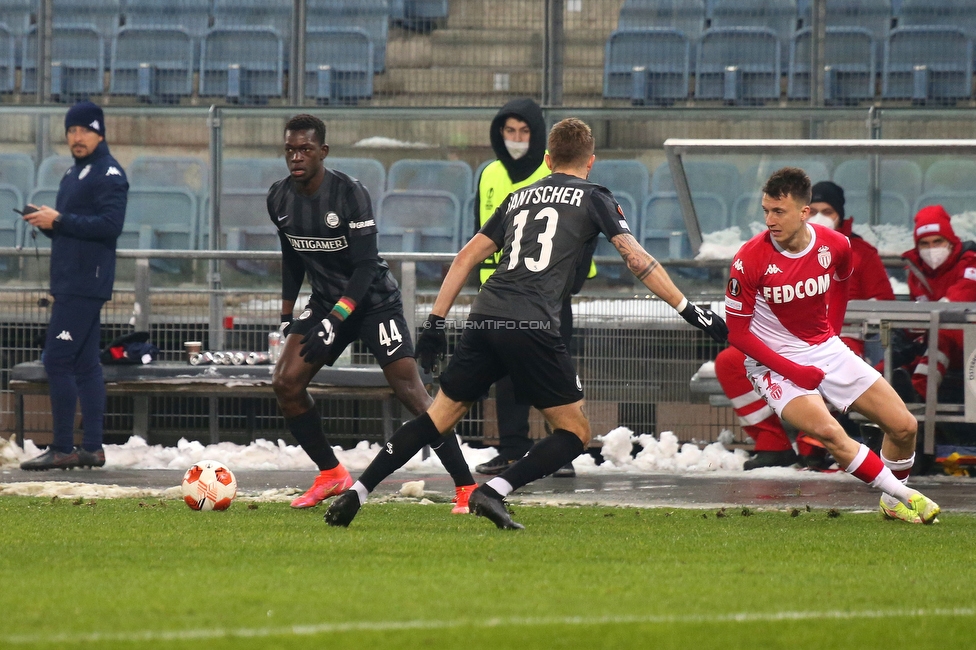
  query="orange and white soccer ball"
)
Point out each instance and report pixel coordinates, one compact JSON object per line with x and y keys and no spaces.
{"x":209,"y":485}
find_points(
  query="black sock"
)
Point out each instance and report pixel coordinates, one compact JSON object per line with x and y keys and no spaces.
{"x":544,"y":458}
{"x":307,"y":429}
{"x":449,"y":451}
{"x":407,"y":441}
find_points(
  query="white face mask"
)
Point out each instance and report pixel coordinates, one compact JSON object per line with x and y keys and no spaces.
{"x":934,"y":257}
{"x":516,"y":149}
{"x":821,"y":220}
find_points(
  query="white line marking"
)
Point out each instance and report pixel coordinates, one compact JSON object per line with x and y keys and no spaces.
{"x":385,"y":626}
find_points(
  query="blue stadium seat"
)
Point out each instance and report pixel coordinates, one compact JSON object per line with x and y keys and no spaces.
{"x":850,"y":65}
{"x":663,"y":232}
{"x":154,"y":64}
{"x":746,"y":209}
{"x":893,"y":211}
{"x":953,"y":202}
{"x":950,"y":174}
{"x":275,"y":14}
{"x":903,"y":177}
{"x":780,"y":16}
{"x":372,"y":16}
{"x":11,"y":225}
{"x":16,"y":15}
{"x":244,"y":221}
{"x":421,"y":221}
{"x":77,"y":62}
{"x":756,"y":175}
{"x":160,"y":218}
{"x":738,"y":64}
{"x":928,"y":63}
{"x":17,"y":169}
{"x":957,"y":13}
{"x":687,"y":16}
{"x":40,"y":196}
{"x":8,"y":59}
{"x":253,"y":173}
{"x":452,"y":176}
{"x":191,"y":15}
{"x":367,"y":171}
{"x":467,"y":220}
{"x":624,"y":176}
{"x":51,"y":170}
{"x":872,"y":15}
{"x":650,"y":65}
{"x":103,"y":15}
{"x":704,"y":177}
{"x":180,"y":172}
{"x":338,"y":65}
{"x":242,"y":64}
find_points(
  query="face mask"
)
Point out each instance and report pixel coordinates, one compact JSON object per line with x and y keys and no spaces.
{"x":516,"y":149}
{"x":821,"y":220}
{"x":934,"y":257}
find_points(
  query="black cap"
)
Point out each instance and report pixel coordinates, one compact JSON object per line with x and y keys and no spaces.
{"x":87,"y":115}
{"x":830,"y":193}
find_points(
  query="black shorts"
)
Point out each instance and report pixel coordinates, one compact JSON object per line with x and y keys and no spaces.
{"x":541,"y":369}
{"x":384,"y":331}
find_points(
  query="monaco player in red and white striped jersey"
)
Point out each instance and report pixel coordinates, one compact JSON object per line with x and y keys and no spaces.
{"x":785,"y":304}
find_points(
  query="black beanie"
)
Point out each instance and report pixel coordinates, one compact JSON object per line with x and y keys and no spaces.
{"x":830,"y":193}
{"x":87,"y":115}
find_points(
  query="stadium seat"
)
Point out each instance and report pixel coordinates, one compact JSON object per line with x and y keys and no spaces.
{"x":663,"y":232}
{"x":426,"y":221}
{"x":686,"y":16}
{"x":950,"y":174}
{"x":51,"y":170}
{"x":338,"y":65}
{"x":710,"y":177}
{"x":153,"y":64}
{"x":780,"y":16}
{"x":180,"y":172}
{"x":367,"y":171}
{"x":624,"y":176}
{"x":191,"y":15}
{"x":103,"y":15}
{"x":872,"y":15}
{"x":8,"y":59}
{"x":903,"y":177}
{"x":418,"y":15}
{"x":11,"y":224}
{"x":275,"y":14}
{"x":467,"y":220}
{"x":256,"y":174}
{"x":160,"y":218}
{"x":372,"y":16}
{"x":746,"y":209}
{"x":650,"y":65}
{"x":953,"y":202}
{"x":928,"y":63}
{"x":244,"y":221}
{"x":77,"y":62}
{"x":755,"y":175}
{"x":893,"y":211}
{"x":15,"y":15}
{"x":850,"y":67}
{"x":17,"y":169}
{"x":242,"y":64}
{"x":738,"y":64}
{"x":452,"y":176}
{"x":958,"y":13}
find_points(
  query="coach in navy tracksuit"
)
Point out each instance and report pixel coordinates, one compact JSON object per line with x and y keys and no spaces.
{"x":83,"y":229}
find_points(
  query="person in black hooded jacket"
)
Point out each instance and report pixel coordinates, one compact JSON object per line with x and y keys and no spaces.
{"x":518,"y":138}
{"x":83,"y":227}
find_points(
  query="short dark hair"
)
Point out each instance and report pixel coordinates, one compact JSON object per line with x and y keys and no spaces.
{"x":788,"y":181}
{"x":570,"y":143}
{"x":306,"y":122}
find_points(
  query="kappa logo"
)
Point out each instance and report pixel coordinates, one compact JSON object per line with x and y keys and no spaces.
{"x":65,"y":335}
{"x":772,"y":268}
{"x":95,"y":126}
{"x":737,"y":265}
{"x":113,"y":171}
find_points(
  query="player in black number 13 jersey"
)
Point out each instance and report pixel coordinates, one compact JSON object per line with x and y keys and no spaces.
{"x":327,"y":231}
{"x":543,"y":231}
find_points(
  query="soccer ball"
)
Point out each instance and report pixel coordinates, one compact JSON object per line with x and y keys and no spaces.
{"x":209,"y":485}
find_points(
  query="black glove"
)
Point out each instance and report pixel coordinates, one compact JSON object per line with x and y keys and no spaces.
{"x":432,"y":343}
{"x":286,"y":320}
{"x":316,"y":344}
{"x":706,"y":320}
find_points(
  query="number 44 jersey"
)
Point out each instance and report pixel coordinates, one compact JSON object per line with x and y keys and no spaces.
{"x":545,"y":231}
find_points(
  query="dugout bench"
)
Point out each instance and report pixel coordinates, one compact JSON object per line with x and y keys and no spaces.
{"x":173,"y":379}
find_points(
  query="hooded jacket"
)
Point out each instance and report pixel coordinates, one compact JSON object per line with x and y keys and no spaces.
{"x":91,"y":199}
{"x":955,"y":279}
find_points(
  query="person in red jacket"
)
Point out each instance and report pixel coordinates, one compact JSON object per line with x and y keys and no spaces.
{"x":773,"y":447}
{"x":940,"y":267}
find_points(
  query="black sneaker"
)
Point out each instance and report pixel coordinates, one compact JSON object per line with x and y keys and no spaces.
{"x":496,"y":465}
{"x":343,"y":509}
{"x":90,"y":458}
{"x":566,"y":471}
{"x":783,"y":458}
{"x":52,"y":459}
{"x":492,"y":508}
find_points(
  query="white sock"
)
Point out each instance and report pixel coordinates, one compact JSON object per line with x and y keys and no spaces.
{"x":890,"y":485}
{"x":361,"y":491}
{"x":500,"y":485}
{"x":896,"y":465}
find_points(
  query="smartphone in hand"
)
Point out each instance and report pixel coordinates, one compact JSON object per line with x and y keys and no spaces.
{"x":26,"y":211}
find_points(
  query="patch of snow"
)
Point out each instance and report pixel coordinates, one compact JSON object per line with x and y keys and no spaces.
{"x":379,"y":142}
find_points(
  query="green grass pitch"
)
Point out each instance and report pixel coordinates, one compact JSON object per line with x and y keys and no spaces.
{"x":150,"y":574}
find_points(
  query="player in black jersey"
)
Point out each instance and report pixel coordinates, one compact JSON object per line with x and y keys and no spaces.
{"x":543,"y":231}
{"x":327,"y":231}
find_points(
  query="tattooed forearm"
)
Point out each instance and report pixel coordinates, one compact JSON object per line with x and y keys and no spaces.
{"x":639,"y":261}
